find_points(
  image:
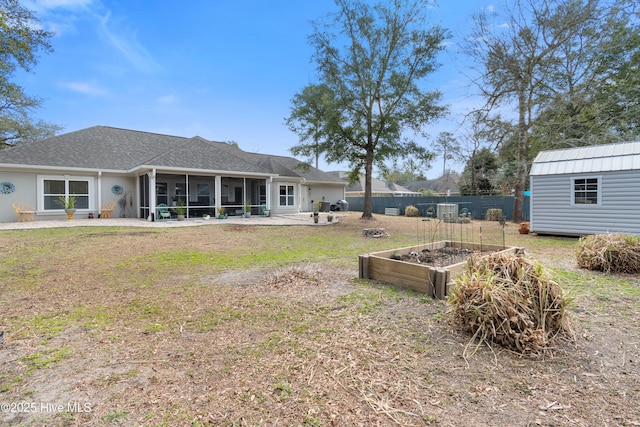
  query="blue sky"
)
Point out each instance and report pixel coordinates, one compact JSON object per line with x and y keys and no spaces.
{"x":225,"y":70}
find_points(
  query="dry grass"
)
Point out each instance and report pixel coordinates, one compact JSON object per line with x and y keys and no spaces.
{"x":610,"y":253}
{"x":253,"y":326}
{"x":512,"y":301}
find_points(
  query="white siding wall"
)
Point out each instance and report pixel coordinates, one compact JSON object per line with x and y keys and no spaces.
{"x":25,"y":192}
{"x":553,"y":213}
{"x":128,"y":184}
{"x":319,"y":193}
{"x":26,"y":184}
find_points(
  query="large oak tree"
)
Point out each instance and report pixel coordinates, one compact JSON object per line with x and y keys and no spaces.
{"x":521,"y":53}
{"x":372,"y":61}
{"x":21,"y":40}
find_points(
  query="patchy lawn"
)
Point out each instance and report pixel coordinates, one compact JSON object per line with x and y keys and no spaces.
{"x":236,"y":325}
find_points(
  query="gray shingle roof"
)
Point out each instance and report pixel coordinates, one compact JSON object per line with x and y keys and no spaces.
{"x":447,"y":182}
{"x":97,"y":147}
{"x":108,"y":148}
{"x":198,"y":153}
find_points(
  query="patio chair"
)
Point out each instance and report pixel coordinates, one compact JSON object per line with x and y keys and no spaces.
{"x":25,"y":212}
{"x":163,"y":212}
{"x":106,"y":210}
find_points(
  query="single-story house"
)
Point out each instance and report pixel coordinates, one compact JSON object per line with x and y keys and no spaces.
{"x":446,"y":185}
{"x":586,"y":190}
{"x":379,"y":188}
{"x":137,"y":171}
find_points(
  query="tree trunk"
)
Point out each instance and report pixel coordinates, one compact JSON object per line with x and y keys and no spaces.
{"x":444,"y":160}
{"x":368,"y":168}
{"x":474,"y":189}
{"x":521,"y":175}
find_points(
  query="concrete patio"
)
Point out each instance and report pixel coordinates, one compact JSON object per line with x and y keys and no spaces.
{"x":293,"y":219}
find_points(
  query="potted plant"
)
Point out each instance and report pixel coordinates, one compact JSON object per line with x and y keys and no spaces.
{"x":68,"y":204}
{"x":222,"y":212}
{"x":330,"y":217}
{"x":247,"y":209}
{"x":181,"y":210}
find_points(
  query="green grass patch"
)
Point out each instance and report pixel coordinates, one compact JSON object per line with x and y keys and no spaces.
{"x":599,"y":286}
{"x":51,"y":324}
{"x":115,"y":416}
{"x":45,"y":358}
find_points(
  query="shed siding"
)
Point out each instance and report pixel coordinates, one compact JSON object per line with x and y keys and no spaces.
{"x":553,"y":213}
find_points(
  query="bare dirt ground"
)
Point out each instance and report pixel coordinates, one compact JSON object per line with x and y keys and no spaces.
{"x":144,"y":327}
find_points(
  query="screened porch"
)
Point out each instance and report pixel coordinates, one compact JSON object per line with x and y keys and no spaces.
{"x":201,"y":195}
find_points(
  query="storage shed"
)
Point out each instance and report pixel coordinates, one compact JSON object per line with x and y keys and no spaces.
{"x":586,"y":190}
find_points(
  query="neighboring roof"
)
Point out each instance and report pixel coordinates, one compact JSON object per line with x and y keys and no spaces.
{"x":396,"y":188}
{"x":377,"y":186}
{"x":114,"y":149}
{"x":596,"y":158}
{"x":446,"y":183}
{"x":289,"y":166}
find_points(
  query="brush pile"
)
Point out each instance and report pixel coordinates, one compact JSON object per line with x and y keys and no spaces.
{"x":610,"y":253}
{"x":295,"y":275}
{"x":493,"y":214}
{"x":509,"y":300}
{"x":374,"y":232}
{"x":411,"y":211}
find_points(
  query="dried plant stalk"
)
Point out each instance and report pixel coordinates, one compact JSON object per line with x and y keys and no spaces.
{"x":509,"y":300}
{"x":611,"y":253}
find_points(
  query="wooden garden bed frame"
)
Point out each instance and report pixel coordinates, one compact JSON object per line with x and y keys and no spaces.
{"x":433,"y":281}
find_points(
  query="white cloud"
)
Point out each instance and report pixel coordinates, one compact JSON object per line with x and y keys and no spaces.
{"x":126,"y":42}
{"x":59,"y":28}
{"x":86,"y":88}
{"x":61,"y":16}
{"x":167,"y":99}
{"x":65,"y":3}
{"x":46,"y":5}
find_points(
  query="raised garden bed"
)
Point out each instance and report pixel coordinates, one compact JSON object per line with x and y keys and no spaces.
{"x":427,"y":268}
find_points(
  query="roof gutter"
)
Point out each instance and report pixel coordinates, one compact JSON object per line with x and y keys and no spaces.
{"x":343,"y":183}
{"x":60,"y":168}
{"x":158,"y":169}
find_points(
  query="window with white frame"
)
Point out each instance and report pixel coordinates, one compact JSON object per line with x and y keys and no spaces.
{"x":586,"y":191}
{"x":53,"y":187}
{"x":287,"y":195}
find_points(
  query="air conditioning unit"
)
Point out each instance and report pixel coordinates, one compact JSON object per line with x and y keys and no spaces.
{"x":447,"y":211}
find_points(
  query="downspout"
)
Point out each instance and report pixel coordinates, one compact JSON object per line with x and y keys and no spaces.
{"x":186,"y":202}
{"x":268,"y":201}
{"x":99,"y":207}
{"x":300,"y":198}
{"x":269,"y":184}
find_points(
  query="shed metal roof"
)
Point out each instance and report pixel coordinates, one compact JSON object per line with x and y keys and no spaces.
{"x":595,"y":158}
